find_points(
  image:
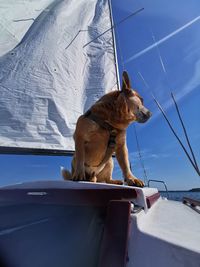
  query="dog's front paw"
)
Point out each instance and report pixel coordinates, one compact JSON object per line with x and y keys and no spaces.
{"x":133,"y":181}
{"x":79,"y":175}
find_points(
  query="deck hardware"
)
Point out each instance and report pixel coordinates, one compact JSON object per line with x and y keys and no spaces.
{"x":37,"y":193}
{"x":160,"y":181}
{"x":192,"y":203}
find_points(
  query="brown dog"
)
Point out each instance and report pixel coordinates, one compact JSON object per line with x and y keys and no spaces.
{"x":101,"y":131}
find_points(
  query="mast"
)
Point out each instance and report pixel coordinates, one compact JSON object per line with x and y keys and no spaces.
{"x":114,"y":45}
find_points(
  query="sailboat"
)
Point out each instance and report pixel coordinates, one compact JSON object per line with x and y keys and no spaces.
{"x":58,"y":58}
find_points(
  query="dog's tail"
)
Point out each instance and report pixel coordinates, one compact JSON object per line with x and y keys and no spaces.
{"x":65,"y":173}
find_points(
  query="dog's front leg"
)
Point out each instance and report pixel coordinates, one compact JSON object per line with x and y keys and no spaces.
{"x":79,"y":166}
{"x":122,"y":158}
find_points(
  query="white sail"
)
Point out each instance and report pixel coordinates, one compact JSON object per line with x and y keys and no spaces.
{"x":49,"y":79}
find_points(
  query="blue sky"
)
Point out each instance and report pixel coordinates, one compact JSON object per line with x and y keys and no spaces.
{"x":173,"y":64}
{"x":160,"y":48}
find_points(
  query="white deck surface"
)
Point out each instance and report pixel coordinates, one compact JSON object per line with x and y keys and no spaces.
{"x":168,"y":235}
{"x":175,"y":223}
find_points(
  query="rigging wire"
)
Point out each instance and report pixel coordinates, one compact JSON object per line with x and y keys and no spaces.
{"x":140,"y":156}
{"x":159,"y":54}
{"x":175,"y":134}
{"x":185,"y":132}
{"x":136,"y":135}
{"x":170,"y":125}
{"x":193,"y":159}
{"x":75,"y":38}
{"x":193,"y":162}
{"x":120,"y":49}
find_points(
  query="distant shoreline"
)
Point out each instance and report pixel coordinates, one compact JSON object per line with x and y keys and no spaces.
{"x":191,"y":190}
{"x":194,"y":190}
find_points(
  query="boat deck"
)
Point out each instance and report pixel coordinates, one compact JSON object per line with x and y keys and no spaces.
{"x":174,"y":222}
{"x":168,"y":235}
{"x":57,"y":214}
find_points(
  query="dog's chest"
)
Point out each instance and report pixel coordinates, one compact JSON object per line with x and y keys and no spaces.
{"x":96,"y":146}
{"x":97,"y":140}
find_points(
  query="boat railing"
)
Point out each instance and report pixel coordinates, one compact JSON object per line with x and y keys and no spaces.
{"x":159,"y":181}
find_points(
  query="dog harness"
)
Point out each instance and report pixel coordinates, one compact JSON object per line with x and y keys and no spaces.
{"x":112,"y":131}
{"x":105,"y":125}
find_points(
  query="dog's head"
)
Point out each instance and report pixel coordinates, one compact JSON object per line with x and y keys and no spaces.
{"x":134,"y":102}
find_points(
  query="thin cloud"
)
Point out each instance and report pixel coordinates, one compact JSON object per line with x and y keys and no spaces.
{"x":146,"y":155}
{"x":192,"y":84}
{"x":144,"y":51}
{"x":180,"y":93}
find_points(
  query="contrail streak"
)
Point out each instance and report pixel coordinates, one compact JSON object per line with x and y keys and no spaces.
{"x":162,"y":40}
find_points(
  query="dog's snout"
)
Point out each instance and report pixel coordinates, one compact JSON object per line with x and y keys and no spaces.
{"x":148,"y":114}
{"x":144,"y":115}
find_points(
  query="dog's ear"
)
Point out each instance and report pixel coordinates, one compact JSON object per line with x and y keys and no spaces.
{"x":122,"y":104}
{"x":122,"y":109}
{"x":126,"y":83}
